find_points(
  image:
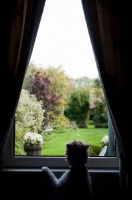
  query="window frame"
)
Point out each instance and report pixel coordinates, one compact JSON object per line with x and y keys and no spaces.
{"x":11,"y":161}
{"x":53,"y":162}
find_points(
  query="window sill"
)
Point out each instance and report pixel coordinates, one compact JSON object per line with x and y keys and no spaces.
{"x":58,"y":170}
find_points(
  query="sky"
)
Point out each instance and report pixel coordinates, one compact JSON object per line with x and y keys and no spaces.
{"x":63,"y":39}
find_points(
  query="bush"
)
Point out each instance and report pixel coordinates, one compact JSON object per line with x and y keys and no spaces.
{"x":19,"y":133}
{"x":101,"y":125}
{"x":29,"y":113}
{"x":59,"y":121}
{"x":28,"y":118}
{"x":90,"y":122}
{"x":94,"y":150}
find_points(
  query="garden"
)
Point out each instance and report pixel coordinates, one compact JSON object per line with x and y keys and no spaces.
{"x":72,"y":109}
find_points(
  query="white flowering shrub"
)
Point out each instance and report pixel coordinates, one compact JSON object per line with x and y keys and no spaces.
{"x":28,"y":118}
{"x":29,"y":113}
{"x":31,"y":138}
{"x":105,"y":140}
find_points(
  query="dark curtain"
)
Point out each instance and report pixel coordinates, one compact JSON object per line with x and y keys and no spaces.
{"x":19,"y":25}
{"x":110,"y":28}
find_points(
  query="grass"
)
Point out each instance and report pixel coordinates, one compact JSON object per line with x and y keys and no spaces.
{"x":55,"y":144}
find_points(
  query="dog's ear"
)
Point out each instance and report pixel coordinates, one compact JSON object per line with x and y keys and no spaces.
{"x":68,"y":145}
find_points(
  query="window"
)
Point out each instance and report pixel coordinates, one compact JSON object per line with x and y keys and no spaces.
{"x":55,"y":60}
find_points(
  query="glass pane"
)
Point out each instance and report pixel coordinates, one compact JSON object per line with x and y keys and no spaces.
{"x":62,"y":97}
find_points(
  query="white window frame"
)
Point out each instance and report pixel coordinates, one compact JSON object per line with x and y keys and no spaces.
{"x":11,"y":161}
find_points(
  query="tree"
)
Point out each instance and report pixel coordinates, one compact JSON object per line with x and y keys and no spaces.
{"x":29,"y":71}
{"x":83,"y":82}
{"x":61,"y":84}
{"x":52,"y":86}
{"x":97,"y":98}
{"x":39,"y":85}
{"x":78,"y":107}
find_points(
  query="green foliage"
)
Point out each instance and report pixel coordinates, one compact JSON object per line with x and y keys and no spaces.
{"x":99,"y":114}
{"x":19,"y":133}
{"x":61,"y":83}
{"x":27,"y":78}
{"x":78,"y":107}
{"x":97,"y":83}
{"x":94,"y":150}
{"x":101,"y":125}
{"x":90,"y":122}
{"x":92,"y":114}
{"x":59,"y":120}
{"x":73,"y":125}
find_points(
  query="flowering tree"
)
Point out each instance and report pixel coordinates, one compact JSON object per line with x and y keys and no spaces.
{"x":40,"y":87}
{"x":29,"y":113}
{"x":28,"y":118}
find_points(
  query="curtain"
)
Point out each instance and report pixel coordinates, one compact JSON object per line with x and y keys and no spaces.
{"x":109,"y":26}
{"x":19,"y":24}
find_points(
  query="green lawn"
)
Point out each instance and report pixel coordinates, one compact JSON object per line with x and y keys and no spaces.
{"x":55,"y":146}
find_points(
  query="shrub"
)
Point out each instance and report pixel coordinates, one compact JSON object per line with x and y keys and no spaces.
{"x":60,"y":121}
{"x":28,"y":118}
{"x":20,"y":131}
{"x":101,"y":125}
{"x":94,"y":150}
{"x":29,"y":113}
{"x":90,"y":122}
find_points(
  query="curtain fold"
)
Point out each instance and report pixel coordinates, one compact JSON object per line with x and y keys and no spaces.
{"x":109,"y":26}
{"x":18,"y":32}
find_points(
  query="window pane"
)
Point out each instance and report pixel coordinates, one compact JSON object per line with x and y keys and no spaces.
{"x":62,"y":97}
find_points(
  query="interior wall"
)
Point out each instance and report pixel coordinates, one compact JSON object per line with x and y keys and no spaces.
{"x":27,"y":184}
